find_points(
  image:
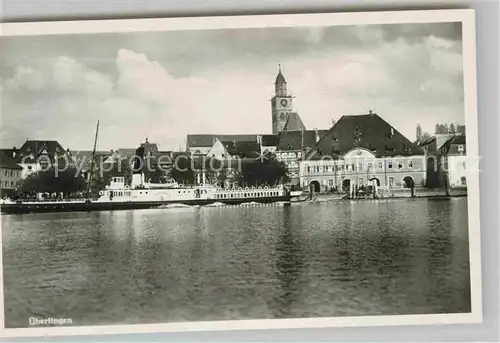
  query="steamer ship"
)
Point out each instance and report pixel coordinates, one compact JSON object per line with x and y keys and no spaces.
{"x":143,"y":195}
{"x":118,"y":196}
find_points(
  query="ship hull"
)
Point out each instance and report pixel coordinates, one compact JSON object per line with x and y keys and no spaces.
{"x":91,"y":206}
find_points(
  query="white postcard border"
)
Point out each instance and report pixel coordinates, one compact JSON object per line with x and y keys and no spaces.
{"x":465,"y":16}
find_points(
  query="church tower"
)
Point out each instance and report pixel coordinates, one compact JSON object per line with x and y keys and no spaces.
{"x":281,"y":103}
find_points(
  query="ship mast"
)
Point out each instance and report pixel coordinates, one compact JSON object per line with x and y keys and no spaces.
{"x":92,"y":161}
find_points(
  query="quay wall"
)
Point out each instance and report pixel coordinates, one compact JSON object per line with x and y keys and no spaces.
{"x":421,"y":192}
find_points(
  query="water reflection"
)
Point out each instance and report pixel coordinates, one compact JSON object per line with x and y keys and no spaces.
{"x":188,"y":264}
{"x":289,"y":264}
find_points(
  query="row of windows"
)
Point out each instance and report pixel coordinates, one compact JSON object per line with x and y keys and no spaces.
{"x":358,"y":167}
{"x":8,"y":184}
{"x":201,"y":191}
{"x":287,"y":155}
{"x":392,"y":182}
{"x":11,"y":173}
{"x":246,"y":195}
{"x":121,"y":193}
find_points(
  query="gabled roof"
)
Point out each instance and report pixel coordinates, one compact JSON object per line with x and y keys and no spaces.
{"x":451,"y":146}
{"x":242,"y":149}
{"x":126,"y":153}
{"x":248,"y":149}
{"x":36,"y":148}
{"x":368,"y":131}
{"x":427,"y":141}
{"x":207,"y":140}
{"x":8,"y":162}
{"x":459,"y":139}
{"x":442,"y":139}
{"x":298,"y":140}
{"x":294,"y":123}
{"x":9,"y":152}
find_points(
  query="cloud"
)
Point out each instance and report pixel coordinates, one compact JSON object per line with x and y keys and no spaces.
{"x":405,"y":80}
{"x":26,"y":78}
{"x":69,"y":75}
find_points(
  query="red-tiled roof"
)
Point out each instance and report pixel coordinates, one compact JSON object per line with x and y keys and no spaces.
{"x":368,"y":131}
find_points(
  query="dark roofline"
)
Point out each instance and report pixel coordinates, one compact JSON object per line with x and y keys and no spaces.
{"x":314,"y":147}
{"x":7,"y":162}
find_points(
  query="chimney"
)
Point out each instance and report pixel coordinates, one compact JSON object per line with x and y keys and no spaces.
{"x":317,"y":135}
{"x":370,"y":112}
{"x":14,"y":152}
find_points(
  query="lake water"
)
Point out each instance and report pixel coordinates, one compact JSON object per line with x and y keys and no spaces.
{"x":238,"y":262}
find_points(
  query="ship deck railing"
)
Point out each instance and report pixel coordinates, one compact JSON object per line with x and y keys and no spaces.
{"x":55,"y":200}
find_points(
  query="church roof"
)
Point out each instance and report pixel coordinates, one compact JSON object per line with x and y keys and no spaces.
{"x":294,"y":123}
{"x":368,"y":131}
{"x":153,"y":147}
{"x":280,"y":77}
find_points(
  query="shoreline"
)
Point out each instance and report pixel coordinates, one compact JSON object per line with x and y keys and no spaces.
{"x":399,"y":195}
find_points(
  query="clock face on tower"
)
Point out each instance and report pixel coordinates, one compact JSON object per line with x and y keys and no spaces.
{"x":284,"y":102}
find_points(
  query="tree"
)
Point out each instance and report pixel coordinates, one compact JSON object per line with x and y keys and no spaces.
{"x":53,"y":180}
{"x":182,"y":170}
{"x":452,"y":129}
{"x":154,"y":174}
{"x":263,"y":171}
{"x":215,"y":170}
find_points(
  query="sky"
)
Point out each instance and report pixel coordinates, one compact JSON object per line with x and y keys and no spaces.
{"x":165,"y":85}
